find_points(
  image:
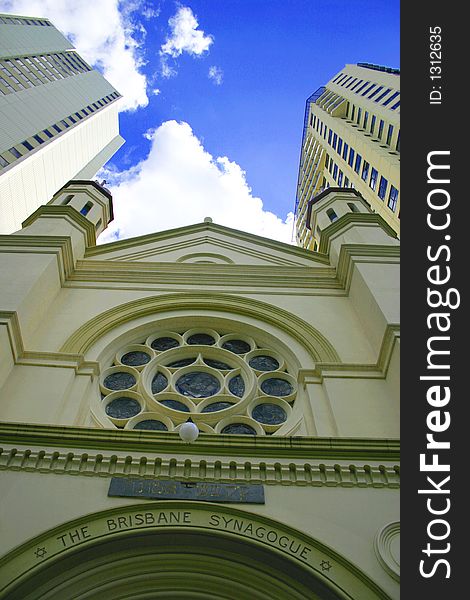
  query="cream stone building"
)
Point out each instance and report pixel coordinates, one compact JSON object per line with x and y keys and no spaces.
{"x":285,"y":359}
{"x":351,"y":138}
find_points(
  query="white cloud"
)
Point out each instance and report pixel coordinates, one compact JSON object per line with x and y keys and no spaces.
{"x":185,"y":36}
{"x":166,"y":70}
{"x":104,"y":33}
{"x":216,"y":75}
{"x":180,"y":183}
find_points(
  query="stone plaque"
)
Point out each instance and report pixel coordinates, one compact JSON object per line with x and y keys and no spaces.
{"x":155,"y":489}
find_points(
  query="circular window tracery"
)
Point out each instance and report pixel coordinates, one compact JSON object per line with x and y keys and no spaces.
{"x":226,"y":382}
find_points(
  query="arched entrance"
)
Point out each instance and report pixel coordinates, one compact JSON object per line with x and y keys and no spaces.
{"x":181,"y":551}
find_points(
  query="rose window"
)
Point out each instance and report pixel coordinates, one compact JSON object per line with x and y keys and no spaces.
{"x":227,"y":383}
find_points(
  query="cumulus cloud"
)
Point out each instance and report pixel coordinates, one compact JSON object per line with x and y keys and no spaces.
{"x":104,"y":33}
{"x":180,"y":183}
{"x":185,"y":35}
{"x":216,"y":75}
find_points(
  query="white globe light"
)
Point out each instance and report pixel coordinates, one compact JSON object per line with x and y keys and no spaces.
{"x":189,"y":432}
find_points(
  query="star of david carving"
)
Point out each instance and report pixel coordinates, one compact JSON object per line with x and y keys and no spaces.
{"x":40,"y":552}
{"x":325,"y":565}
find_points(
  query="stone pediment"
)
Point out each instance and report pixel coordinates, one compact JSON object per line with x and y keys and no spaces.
{"x":206,"y":243}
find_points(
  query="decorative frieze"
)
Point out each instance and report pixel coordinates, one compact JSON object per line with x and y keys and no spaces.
{"x":194,"y":469}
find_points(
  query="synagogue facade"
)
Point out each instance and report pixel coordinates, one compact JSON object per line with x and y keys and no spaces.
{"x":286,"y":360}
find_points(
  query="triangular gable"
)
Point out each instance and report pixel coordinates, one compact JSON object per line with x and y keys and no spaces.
{"x":206,"y":243}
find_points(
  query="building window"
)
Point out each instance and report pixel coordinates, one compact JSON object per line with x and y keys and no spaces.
{"x":397,"y":147}
{"x":351,"y":157}
{"x":353,"y":110}
{"x":38,"y":139}
{"x":340,"y":178}
{"x":327,"y":160}
{"x":375,"y":92}
{"x":382,"y":188}
{"x":381,"y":129}
{"x":359,"y":113}
{"x":346,"y":182}
{"x":335,"y":139}
{"x":368,"y":89}
{"x":392,"y":97}
{"x":353,"y":207}
{"x":3,"y":162}
{"x":345,"y":151}
{"x":223,"y":373}
{"x":372,"y":124}
{"x":389,"y":134}
{"x":362,"y":87}
{"x":332,"y":215}
{"x":395,"y":106}
{"x":15,"y":152}
{"x":48,"y":133}
{"x":27,"y":145}
{"x":65,"y":124}
{"x":86,"y":209}
{"x":373,"y":178}
{"x":382,"y":95}
{"x":340,"y":146}
{"x":57,"y":128}
{"x":356,"y":84}
{"x":357,"y":165}
{"x":330,"y":135}
{"x":366,"y":119}
{"x":392,"y":199}
{"x":67,"y":199}
{"x":335,"y":171}
{"x":365,"y":170}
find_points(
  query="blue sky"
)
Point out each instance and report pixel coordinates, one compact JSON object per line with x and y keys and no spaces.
{"x":226,"y":144}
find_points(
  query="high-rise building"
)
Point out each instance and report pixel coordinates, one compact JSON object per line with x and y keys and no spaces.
{"x":58,"y":117}
{"x":351,"y":139}
{"x":286,"y":360}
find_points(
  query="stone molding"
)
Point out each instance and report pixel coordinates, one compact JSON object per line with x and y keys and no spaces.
{"x":385,"y":541}
{"x":216,"y":445}
{"x":349,"y":220}
{"x":61,"y":246}
{"x":314,"y":342}
{"x":149,"y":467}
{"x":346,"y":580}
{"x":71,"y":214}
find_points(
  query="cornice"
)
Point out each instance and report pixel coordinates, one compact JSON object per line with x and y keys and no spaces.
{"x":73,"y":216}
{"x":216,"y":445}
{"x":9,"y":319}
{"x":61,"y":360}
{"x":271,"y":471}
{"x":378,"y":370}
{"x":347,"y":220}
{"x":357,"y":253}
{"x":103,"y":271}
{"x":50,"y":359}
{"x":61,"y":246}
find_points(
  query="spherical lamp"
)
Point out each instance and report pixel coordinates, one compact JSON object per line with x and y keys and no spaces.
{"x":189,"y":431}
